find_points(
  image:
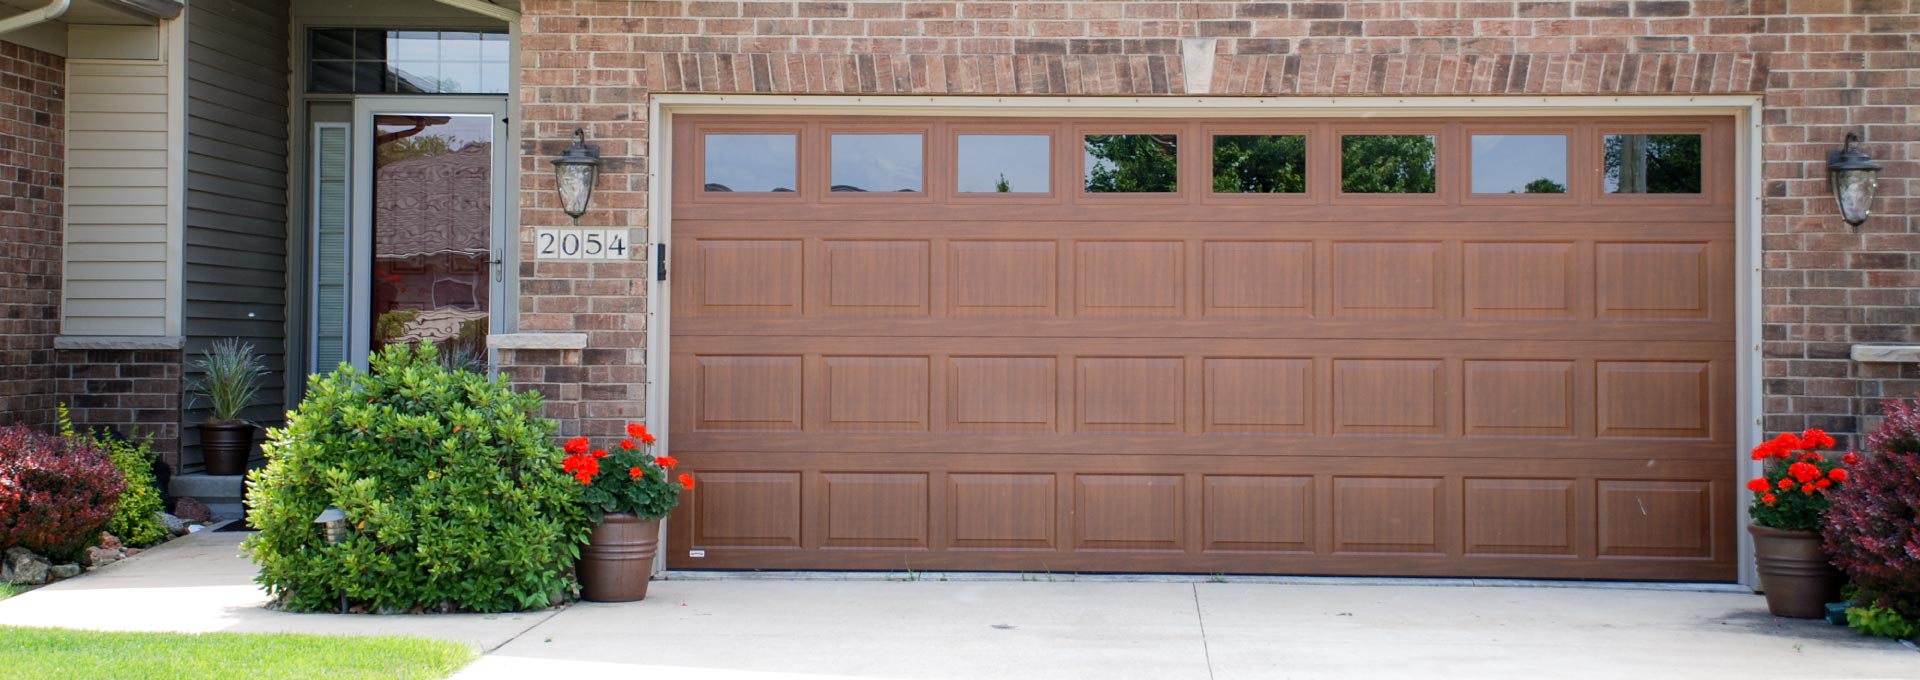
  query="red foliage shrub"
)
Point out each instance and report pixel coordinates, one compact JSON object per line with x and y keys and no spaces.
{"x":55,"y":492}
{"x":1873,"y":528}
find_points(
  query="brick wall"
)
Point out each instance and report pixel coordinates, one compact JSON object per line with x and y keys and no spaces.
{"x":135,"y":393}
{"x":32,"y":161}
{"x":1825,"y":67}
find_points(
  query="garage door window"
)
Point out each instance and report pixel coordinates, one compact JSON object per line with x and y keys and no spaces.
{"x":751,"y":162}
{"x":1519,"y":164}
{"x":1387,"y":164}
{"x":1005,"y":164}
{"x":1652,"y":163}
{"x":1260,"y":164}
{"x":1132,"y":164}
{"x":878,"y":162}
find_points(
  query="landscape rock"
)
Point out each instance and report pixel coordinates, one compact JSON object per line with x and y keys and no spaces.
{"x":110,"y":542}
{"x":27,"y":568}
{"x":192,"y":510}
{"x":133,"y":551}
{"x":100,"y":557}
{"x":64,"y":571}
{"x":175,"y":526}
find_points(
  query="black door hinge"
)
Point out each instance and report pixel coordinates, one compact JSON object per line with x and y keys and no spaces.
{"x":660,"y":261}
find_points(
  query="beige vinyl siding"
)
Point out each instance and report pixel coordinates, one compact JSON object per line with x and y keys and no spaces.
{"x":116,"y":240}
{"x":236,"y":192}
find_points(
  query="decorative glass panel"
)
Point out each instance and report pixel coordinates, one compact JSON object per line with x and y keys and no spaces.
{"x":331,"y":189}
{"x":751,"y":162}
{"x":1132,"y":164}
{"x":1006,"y":164}
{"x":1652,"y":164}
{"x":1260,"y":164}
{"x":1519,"y":164}
{"x":363,"y":61}
{"x":878,"y":162}
{"x":1387,"y":164}
{"x":432,"y":233}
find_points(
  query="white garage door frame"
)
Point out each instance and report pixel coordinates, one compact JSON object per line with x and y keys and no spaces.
{"x":1745,"y":110}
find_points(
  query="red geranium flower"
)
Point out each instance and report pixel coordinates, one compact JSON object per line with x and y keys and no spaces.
{"x":1786,"y":483}
{"x":636,"y":472}
{"x":1816,"y":438}
{"x":686,"y":480}
{"x":626,"y":444}
{"x":636,"y":430}
{"x":667,"y":461}
{"x":1838,"y":474}
{"x":1769,"y":499}
{"x":577,"y":445}
{"x":1851,"y":458}
{"x":1805,"y":472}
{"x":1758,"y":484}
{"x":599,"y":453}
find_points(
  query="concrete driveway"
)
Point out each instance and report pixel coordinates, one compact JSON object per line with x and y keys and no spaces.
{"x":699,"y":627}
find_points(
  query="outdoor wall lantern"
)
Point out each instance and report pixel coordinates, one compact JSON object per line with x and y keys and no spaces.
{"x":576,"y":169}
{"x":1854,"y":177}
{"x":333,"y":525}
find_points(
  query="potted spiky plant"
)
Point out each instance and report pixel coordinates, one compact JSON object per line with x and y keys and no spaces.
{"x":230,"y":379}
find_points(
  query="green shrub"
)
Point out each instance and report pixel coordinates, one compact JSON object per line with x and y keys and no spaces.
{"x":451,"y":484}
{"x":1878,"y":621}
{"x":136,"y":520}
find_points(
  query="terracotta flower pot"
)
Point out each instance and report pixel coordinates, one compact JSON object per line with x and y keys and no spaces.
{"x":1795,"y":572}
{"x":226,"y":447}
{"x":618,"y":560}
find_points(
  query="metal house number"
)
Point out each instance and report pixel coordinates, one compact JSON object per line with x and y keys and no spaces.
{"x":580,"y":244}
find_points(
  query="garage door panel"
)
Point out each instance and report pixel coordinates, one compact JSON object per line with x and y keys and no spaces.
{"x":1447,"y":385}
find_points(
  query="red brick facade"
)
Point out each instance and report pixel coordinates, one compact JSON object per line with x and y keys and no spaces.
{"x":1824,"y":68}
{"x":32,"y":164}
{"x":135,"y":393}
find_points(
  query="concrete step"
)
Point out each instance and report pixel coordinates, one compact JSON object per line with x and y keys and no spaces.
{"x":222,"y":494}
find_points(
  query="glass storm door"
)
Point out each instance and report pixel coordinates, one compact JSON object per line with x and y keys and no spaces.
{"x":427,"y":252}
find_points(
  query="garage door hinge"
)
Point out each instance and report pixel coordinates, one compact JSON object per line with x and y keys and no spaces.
{"x":660,"y":261}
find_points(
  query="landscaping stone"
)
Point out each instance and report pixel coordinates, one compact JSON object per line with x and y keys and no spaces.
{"x":192,"y":510}
{"x":110,"y":542}
{"x":175,"y":526}
{"x":100,"y":557}
{"x":26,"y":568}
{"x":63,"y":571}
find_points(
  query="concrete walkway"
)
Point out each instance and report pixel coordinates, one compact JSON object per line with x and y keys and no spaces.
{"x":704,"y":629}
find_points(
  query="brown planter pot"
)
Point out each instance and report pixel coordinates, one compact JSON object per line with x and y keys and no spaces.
{"x":226,"y":447}
{"x":1795,"y":572}
{"x":618,"y":560}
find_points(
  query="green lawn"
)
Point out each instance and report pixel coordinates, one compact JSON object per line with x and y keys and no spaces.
{"x":51,"y":653}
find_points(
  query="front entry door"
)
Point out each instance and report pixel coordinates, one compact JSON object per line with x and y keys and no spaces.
{"x":427,"y":232}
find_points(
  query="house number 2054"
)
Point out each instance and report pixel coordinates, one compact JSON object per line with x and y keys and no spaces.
{"x":580,"y":244}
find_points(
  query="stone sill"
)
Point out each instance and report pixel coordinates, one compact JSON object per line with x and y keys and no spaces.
{"x":120,"y":342}
{"x":1887,"y":354}
{"x":538,"y":341}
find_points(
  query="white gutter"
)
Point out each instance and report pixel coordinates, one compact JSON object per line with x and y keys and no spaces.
{"x":481,"y":7}
{"x":53,"y":10}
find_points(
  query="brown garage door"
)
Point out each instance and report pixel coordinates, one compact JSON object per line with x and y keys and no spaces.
{"x":1413,"y":347}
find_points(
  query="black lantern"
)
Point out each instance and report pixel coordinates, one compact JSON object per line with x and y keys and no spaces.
{"x":1854,"y":177}
{"x":576,"y":169}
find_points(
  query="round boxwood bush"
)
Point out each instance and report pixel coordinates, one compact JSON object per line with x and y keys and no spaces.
{"x":450,"y":482}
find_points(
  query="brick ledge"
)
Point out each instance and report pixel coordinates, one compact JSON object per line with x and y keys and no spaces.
{"x":1887,"y":354}
{"x":126,"y":342}
{"x":538,"y":341}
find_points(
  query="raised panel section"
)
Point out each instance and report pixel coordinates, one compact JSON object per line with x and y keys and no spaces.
{"x":1519,"y":398}
{"x":1668,"y":399}
{"x":1518,"y":280}
{"x":876,"y":393}
{"x":1651,"y":518}
{"x":1003,"y":278}
{"x":1006,"y":394}
{"x":1651,"y":280}
{"x":1128,"y":512}
{"x":1001,"y":511}
{"x":1252,"y":278}
{"x":1374,"y":280}
{"x":749,"y":277}
{"x":747,"y":392}
{"x":747,"y":510}
{"x":887,"y":278}
{"x":1519,"y":517}
{"x":1259,"y":395}
{"x":1131,"y":279}
{"x":1132,"y":394}
{"x":1389,"y":396}
{"x":1252,"y":513}
{"x":876,"y":509}
{"x":1386,"y":514}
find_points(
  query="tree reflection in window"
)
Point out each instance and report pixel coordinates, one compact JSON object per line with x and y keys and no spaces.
{"x":1387,"y":164}
{"x":1652,"y":164}
{"x":1260,"y":164}
{"x":1132,"y":164}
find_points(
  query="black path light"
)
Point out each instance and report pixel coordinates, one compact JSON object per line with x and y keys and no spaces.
{"x":576,"y":169}
{"x":1854,"y":177}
